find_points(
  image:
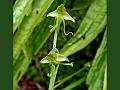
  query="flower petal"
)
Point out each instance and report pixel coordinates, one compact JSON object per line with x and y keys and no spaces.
{"x":68,"y":17}
{"x":44,"y":60}
{"x":53,"y":14}
{"x":61,"y":58}
{"x":54,"y":50}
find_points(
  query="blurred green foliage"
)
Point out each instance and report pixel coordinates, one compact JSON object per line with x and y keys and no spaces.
{"x":32,"y":41}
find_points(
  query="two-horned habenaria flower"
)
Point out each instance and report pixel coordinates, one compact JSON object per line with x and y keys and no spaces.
{"x":61,"y":15}
{"x":55,"y":58}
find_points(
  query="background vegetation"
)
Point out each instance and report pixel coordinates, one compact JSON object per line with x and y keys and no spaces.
{"x":87,"y":48}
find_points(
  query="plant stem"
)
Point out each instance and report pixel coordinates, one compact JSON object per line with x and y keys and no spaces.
{"x":54,"y":70}
{"x":55,"y":39}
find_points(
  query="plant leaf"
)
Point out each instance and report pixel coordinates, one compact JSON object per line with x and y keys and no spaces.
{"x":20,"y":9}
{"x":92,"y":24}
{"x":29,"y":23}
{"x":31,"y":47}
{"x":105,"y":79}
{"x":95,"y":76}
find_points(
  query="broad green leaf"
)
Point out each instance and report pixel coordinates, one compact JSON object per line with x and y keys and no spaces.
{"x":39,"y":36}
{"x":20,"y":9}
{"x":95,"y":76}
{"x":29,"y":23}
{"x":92,"y":24}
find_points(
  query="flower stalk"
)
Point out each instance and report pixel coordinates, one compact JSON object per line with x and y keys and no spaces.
{"x":54,"y":69}
{"x":55,"y":38}
{"x":54,"y":58}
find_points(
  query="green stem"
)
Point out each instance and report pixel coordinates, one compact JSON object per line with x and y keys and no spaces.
{"x":54,"y":70}
{"x":55,"y":39}
{"x":57,"y":27}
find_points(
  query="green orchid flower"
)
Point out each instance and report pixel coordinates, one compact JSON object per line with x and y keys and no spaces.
{"x":55,"y":58}
{"x":60,"y":15}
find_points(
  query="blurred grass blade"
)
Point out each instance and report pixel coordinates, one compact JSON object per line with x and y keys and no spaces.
{"x":69,"y":77}
{"x":81,"y":4}
{"x":96,"y":74}
{"x":74,"y":84}
{"x":98,"y":60}
{"x":105,"y":80}
{"x":19,"y":68}
{"x":20,"y":9}
{"x":39,"y":36}
{"x":92,"y":24}
{"x":29,"y":23}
